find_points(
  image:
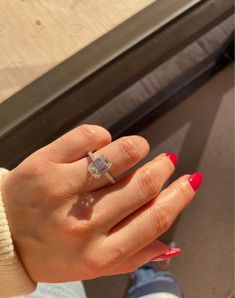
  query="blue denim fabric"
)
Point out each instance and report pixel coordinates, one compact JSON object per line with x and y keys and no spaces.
{"x":148,"y":282}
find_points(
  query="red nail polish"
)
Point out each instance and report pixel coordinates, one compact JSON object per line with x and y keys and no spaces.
{"x":173,"y":157}
{"x":170,"y":254}
{"x":195,"y":180}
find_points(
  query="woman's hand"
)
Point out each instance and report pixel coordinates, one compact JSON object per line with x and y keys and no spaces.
{"x":67,"y":225}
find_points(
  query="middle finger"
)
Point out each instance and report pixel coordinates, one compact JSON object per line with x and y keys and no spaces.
{"x":133,"y":191}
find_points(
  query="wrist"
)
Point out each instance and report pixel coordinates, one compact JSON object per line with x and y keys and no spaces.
{"x":14,"y":280}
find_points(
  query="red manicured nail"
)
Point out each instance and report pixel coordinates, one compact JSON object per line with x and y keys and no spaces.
{"x":171,"y":253}
{"x":195,"y":180}
{"x":173,"y":157}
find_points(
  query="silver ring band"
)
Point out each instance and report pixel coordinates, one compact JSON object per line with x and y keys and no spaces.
{"x":100,"y":166}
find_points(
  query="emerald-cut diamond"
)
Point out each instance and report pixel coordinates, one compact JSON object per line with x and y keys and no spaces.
{"x":99,"y":166}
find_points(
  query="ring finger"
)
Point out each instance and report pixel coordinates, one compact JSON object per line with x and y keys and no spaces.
{"x":123,"y":153}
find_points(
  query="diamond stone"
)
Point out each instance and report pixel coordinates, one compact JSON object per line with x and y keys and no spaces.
{"x":99,"y":166}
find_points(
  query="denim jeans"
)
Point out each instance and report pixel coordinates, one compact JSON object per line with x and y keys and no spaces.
{"x":150,"y":283}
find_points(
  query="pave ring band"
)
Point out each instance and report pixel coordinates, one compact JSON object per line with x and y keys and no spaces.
{"x":100,"y":166}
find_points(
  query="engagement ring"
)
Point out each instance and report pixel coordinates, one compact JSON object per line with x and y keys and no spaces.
{"x":100,"y":166}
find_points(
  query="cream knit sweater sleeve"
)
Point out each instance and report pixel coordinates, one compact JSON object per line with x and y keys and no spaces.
{"x":14,"y":280}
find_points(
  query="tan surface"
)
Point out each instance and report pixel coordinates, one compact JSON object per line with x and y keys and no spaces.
{"x":35,"y":35}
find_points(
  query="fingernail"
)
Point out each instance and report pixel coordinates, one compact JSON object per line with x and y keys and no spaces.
{"x":173,"y":157}
{"x":170,"y":254}
{"x":195,"y":180}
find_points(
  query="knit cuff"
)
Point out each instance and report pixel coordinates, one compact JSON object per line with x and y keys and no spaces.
{"x":14,"y":280}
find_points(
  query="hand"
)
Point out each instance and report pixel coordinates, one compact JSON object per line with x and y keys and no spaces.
{"x":66,"y":225}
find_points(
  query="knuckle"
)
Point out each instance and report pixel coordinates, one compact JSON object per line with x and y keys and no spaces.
{"x":160,"y":218}
{"x":98,"y":265}
{"x":169,"y":167}
{"x":90,"y":132}
{"x":148,"y":184}
{"x":99,"y":262}
{"x":183,"y":192}
{"x":52,"y":148}
{"x":72,"y":228}
{"x":118,"y":254}
{"x":87,"y":131}
{"x":110,"y":260}
{"x":60,"y":145}
{"x":128,"y":149}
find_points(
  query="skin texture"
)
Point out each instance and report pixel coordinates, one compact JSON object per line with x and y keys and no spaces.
{"x":66,"y":225}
